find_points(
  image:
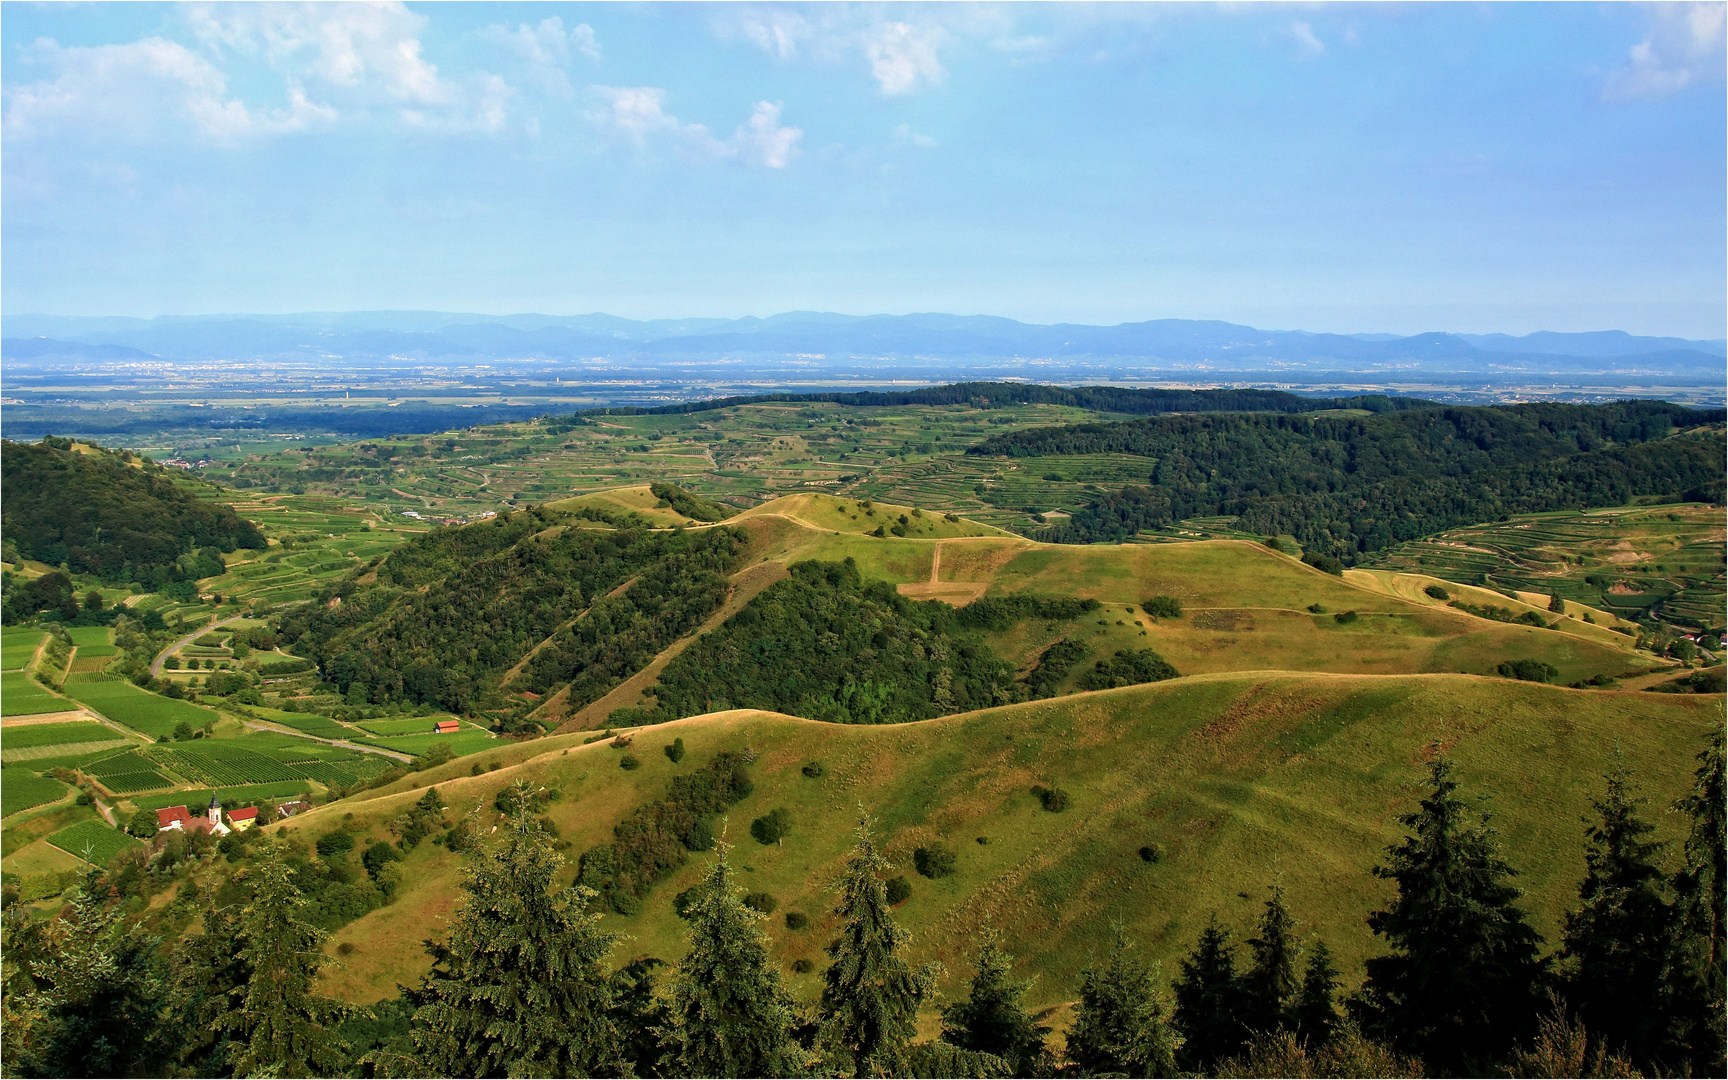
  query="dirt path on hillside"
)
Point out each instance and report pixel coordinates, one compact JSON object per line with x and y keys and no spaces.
{"x":746,"y":586}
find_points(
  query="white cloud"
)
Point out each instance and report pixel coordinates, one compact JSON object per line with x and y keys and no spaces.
{"x":548,"y":49}
{"x":1306,"y":42}
{"x":763,"y":141}
{"x":776,"y":31}
{"x":903,"y":133}
{"x":902,"y":56}
{"x":136,"y":90}
{"x":347,"y":45}
{"x":637,"y":115}
{"x":1684,"y":45}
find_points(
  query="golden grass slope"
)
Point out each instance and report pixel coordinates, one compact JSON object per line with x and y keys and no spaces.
{"x":1242,"y":779}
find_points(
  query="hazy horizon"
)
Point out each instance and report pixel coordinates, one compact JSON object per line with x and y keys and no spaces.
{"x":1345,"y":168}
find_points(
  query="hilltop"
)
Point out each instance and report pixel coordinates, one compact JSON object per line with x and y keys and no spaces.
{"x":1237,"y":780}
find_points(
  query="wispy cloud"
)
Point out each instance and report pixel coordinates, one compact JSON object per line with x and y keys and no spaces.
{"x":902,"y":55}
{"x":1684,"y":45}
{"x":547,"y":49}
{"x":637,"y":115}
{"x":141,"y":90}
{"x":1306,"y":42}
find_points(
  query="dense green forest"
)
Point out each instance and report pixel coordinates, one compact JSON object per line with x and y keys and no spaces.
{"x":1114,"y":399}
{"x":828,"y":645}
{"x":113,"y":516}
{"x":450,"y":611}
{"x":1349,"y":485}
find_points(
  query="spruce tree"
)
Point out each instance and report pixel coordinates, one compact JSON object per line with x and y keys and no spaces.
{"x":92,"y":1010}
{"x":1616,"y":941}
{"x":1270,"y":983}
{"x":991,"y":1020}
{"x":205,"y":972}
{"x":521,"y":985}
{"x":870,"y":995}
{"x":278,"y":1025}
{"x":1314,"y":1017}
{"x":1459,"y":987}
{"x":1210,"y":1001}
{"x":1697,"y":968}
{"x":1120,"y":1025}
{"x":728,"y":1013}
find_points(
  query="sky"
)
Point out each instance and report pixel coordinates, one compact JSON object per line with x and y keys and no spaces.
{"x":1354,"y":168}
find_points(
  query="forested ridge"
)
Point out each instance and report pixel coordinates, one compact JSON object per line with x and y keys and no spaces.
{"x":828,"y":645}
{"x":1115,"y":399}
{"x":448,"y":613}
{"x":1349,"y":485}
{"x":113,"y":516}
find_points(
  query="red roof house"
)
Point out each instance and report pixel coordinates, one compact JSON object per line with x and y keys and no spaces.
{"x":446,"y":727}
{"x":172,"y":817}
{"x":243,"y":819}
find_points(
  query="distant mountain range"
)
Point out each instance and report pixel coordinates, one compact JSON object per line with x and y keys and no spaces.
{"x":390,"y":338}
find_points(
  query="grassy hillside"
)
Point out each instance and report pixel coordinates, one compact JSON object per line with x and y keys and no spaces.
{"x":1240,"y":779}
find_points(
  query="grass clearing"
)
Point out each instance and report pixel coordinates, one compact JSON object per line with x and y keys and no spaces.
{"x":230,"y":796}
{"x":464,"y":742}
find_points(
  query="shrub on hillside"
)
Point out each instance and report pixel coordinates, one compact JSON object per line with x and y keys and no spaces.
{"x":772,"y":827}
{"x":796,"y":920}
{"x":1055,"y":800}
{"x":899,"y":889}
{"x":1163,"y":607}
{"x":1437,"y":592}
{"x":675,"y":750}
{"x":936,"y":861}
{"x":1528,"y":670}
{"x":1346,"y":617}
{"x":1324,"y":563}
{"x":761,"y":901}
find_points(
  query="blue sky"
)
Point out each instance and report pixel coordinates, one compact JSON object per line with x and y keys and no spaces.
{"x":1402,"y":168}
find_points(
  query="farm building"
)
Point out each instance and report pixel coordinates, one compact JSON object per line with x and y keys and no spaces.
{"x":446,"y":727}
{"x":172,"y":817}
{"x":242,"y":820}
{"x":289,"y":809}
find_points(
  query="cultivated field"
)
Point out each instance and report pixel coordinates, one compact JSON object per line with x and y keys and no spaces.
{"x":152,"y":714}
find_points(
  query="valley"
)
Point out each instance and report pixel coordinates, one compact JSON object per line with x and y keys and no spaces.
{"x":1220,"y":711}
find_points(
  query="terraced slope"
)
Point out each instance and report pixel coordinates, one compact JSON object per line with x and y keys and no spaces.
{"x":1239,"y":779}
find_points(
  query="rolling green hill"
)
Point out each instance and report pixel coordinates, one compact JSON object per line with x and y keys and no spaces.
{"x":1241,"y":780}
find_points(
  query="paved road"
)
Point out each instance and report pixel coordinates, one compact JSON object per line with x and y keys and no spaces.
{"x":256,"y":726}
{"x":156,"y":666}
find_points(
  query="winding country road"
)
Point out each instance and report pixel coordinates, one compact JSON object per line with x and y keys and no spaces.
{"x":156,"y":665}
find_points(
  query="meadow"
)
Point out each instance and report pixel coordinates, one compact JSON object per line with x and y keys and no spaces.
{"x":230,"y":796}
{"x":1237,"y":780}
